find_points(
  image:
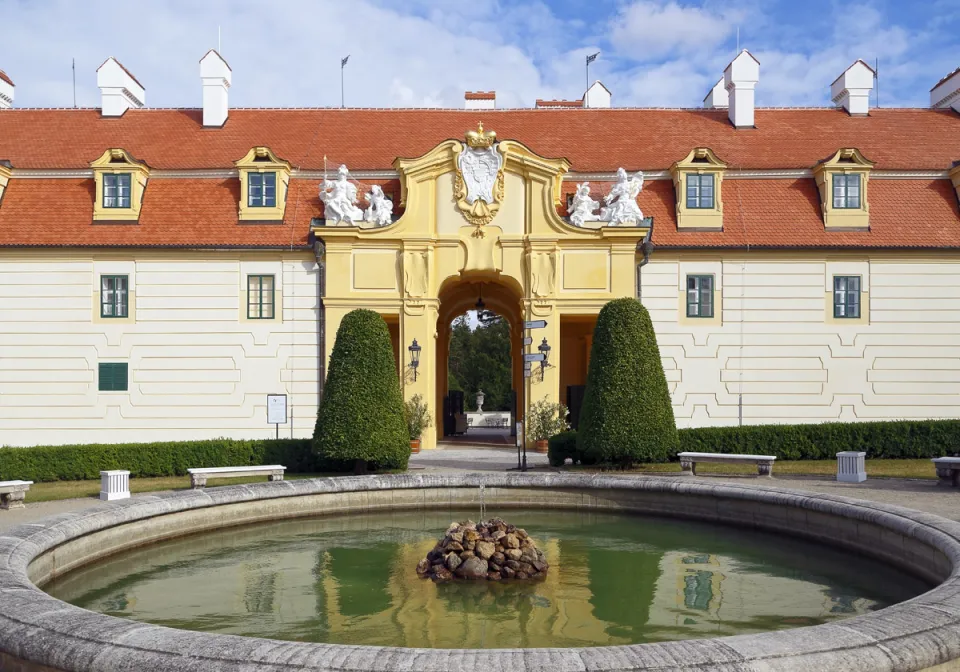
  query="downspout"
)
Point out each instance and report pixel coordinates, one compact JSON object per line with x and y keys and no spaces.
{"x":319,"y":250}
{"x":644,"y":247}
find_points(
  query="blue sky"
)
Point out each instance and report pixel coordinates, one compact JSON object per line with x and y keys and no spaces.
{"x":426,"y":53}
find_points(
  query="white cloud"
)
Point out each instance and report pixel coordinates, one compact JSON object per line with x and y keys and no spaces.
{"x":648,"y":30}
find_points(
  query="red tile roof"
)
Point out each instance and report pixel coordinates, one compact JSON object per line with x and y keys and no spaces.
{"x":592,"y":139}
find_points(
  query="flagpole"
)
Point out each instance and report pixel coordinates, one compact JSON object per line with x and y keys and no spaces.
{"x":343,"y":64}
{"x":590,"y":59}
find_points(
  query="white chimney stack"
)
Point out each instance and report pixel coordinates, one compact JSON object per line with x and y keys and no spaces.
{"x":947,"y":92}
{"x":851,"y":90}
{"x":216,"y":77}
{"x":718,"y":98}
{"x":119,"y":90}
{"x":740,"y":80}
{"x":6,"y":91}
{"x":480,"y":100}
{"x":597,"y":96}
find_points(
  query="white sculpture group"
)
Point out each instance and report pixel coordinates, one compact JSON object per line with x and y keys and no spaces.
{"x":340,"y":203}
{"x":620,"y":205}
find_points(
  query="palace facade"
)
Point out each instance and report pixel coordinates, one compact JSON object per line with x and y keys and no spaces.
{"x":163,"y":270}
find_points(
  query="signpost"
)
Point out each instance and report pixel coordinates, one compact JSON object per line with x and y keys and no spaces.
{"x":528,"y":359}
{"x":528,"y":340}
{"x":277,"y":410}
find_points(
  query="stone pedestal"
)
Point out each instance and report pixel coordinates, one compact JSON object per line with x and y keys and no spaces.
{"x":114,"y":485}
{"x":850,"y":467}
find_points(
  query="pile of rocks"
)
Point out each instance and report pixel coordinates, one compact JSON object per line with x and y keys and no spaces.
{"x":490,"y":550}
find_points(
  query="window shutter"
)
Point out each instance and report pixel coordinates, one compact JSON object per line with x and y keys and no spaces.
{"x":113,"y":377}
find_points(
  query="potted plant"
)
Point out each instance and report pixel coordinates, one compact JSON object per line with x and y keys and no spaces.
{"x":418,"y":419}
{"x":546,"y":419}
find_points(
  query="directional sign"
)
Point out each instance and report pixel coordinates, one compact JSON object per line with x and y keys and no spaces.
{"x":527,"y":366}
{"x":527,"y":373}
{"x":528,"y":340}
{"x":535,"y":324}
{"x":533,"y":357}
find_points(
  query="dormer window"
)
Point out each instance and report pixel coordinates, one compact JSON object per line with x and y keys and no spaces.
{"x":120,"y":184}
{"x":262,"y":190}
{"x":843,"y":181}
{"x":263,"y":185}
{"x":697,"y":180}
{"x":116,"y":190}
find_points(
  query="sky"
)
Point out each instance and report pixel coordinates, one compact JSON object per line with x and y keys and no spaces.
{"x":426,"y":53}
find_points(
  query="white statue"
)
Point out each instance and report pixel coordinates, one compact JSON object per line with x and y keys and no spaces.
{"x":339,"y":200}
{"x":621,"y":202}
{"x":480,"y":398}
{"x":583,"y":208}
{"x":380,"y":212}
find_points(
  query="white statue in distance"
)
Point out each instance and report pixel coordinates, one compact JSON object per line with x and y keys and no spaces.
{"x":620,"y":209}
{"x":339,"y":199}
{"x":380,"y":212}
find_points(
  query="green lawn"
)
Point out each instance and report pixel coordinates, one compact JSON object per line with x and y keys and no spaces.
{"x":922,"y":468}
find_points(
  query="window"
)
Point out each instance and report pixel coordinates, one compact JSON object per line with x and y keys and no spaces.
{"x":113,"y":377}
{"x":699,"y":296}
{"x":846,"y":191}
{"x":699,"y":191}
{"x":116,"y":190}
{"x":262,"y":190}
{"x":113,"y":296}
{"x":259,"y":297}
{"x":846,"y":296}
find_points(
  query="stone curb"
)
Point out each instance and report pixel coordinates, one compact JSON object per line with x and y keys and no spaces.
{"x":39,"y":632}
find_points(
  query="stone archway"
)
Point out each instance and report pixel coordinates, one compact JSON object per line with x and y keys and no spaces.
{"x":457,"y":295}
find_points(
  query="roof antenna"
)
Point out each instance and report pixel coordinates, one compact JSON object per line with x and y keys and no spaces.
{"x":738,"y":40}
{"x":74,"y":67}
{"x":876,"y":74}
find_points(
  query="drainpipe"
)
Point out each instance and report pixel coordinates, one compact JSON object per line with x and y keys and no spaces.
{"x":645,"y":247}
{"x":319,"y":250}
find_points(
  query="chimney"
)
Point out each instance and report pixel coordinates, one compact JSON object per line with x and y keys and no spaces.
{"x":6,"y":91}
{"x":541,"y":103}
{"x":740,"y":79}
{"x":851,"y":90}
{"x":946,"y":93}
{"x":119,"y":90}
{"x":718,"y":98}
{"x":479,"y":100}
{"x":597,"y":96}
{"x":216,"y":76}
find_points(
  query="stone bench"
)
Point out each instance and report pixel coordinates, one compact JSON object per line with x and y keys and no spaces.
{"x":198,"y":477}
{"x":948,"y":470}
{"x":12,"y":494}
{"x":688,"y":461}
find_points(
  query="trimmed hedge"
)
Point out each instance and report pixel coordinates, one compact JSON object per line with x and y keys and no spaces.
{"x":85,"y":462}
{"x":898,"y":439}
{"x":361,"y":418}
{"x":626,"y":415}
{"x":563,"y":445}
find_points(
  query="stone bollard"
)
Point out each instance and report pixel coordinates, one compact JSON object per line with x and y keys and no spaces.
{"x":114,"y":485}
{"x":850,"y":467}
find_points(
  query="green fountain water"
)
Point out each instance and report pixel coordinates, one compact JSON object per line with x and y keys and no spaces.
{"x":614,"y":579}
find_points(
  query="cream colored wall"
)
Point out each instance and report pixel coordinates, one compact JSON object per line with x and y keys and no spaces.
{"x":197,"y":367}
{"x":777,"y":342}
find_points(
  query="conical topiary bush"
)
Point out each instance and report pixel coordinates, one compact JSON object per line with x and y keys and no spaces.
{"x":360,"y":420}
{"x":626,"y":415}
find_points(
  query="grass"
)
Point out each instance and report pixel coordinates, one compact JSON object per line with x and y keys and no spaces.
{"x":922,"y":468}
{"x":46,"y":492}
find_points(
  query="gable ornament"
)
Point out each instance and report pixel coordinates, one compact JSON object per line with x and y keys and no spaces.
{"x":478,"y":186}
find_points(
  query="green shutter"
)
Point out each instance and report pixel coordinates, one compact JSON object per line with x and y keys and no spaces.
{"x":113,"y":377}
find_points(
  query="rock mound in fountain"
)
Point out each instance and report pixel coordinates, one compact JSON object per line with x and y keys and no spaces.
{"x":486,"y":551}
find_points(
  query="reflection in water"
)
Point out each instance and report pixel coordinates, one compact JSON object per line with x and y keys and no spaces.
{"x":613,"y":579}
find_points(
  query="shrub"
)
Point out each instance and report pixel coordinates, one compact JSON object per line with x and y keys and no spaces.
{"x":85,"y":462}
{"x":361,"y":418}
{"x":418,"y":417}
{"x":546,"y":419}
{"x":626,"y":415}
{"x":892,"y":440}
{"x":560,"y":447}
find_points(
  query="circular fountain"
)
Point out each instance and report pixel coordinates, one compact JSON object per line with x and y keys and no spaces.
{"x":584,"y":523}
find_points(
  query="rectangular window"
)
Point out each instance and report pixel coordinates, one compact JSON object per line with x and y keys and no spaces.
{"x":699,"y":296}
{"x":260,"y":297}
{"x":113,"y":377}
{"x":699,"y":191}
{"x":116,"y":190}
{"x":113,"y":296}
{"x":262,"y":190}
{"x":846,"y":296}
{"x":846,"y":191}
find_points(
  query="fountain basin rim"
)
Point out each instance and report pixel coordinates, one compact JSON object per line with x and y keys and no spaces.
{"x":914,"y":635}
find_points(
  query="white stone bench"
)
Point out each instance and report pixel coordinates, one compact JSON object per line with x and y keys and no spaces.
{"x":948,"y":470}
{"x":12,"y":494}
{"x":688,"y":461}
{"x":198,"y":477}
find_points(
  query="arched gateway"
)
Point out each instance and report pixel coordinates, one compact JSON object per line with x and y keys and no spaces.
{"x":481,"y":212}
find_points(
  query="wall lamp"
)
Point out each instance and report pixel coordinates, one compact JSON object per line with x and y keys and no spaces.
{"x":414,"y":357}
{"x":544,"y":349}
